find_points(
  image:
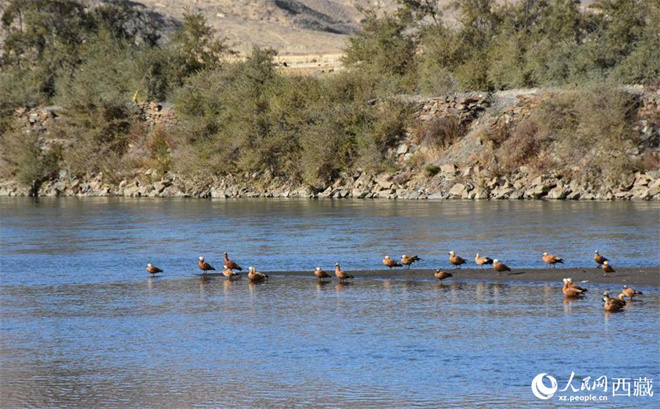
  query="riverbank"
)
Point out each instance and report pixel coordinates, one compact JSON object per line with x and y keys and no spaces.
{"x":449,"y":184}
{"x":632,"y":276}
{"x":483,"y":155}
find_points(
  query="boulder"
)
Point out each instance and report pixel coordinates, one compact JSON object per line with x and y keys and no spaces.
{"x":642,"y":180}
{"x":457,"y":190}
{"x":539,"y":190}
{"x":622,"y":195}
{"x":384,"y":181}
{"x":495,"y":182}
{"x":574,"y":196}
{"x":480,"y":193}
{"x":359,"y":193}
{"x":437,"y":196}
{"x":501,"y":192}
{"x":326,"y":193}
{"x":516,"y":195}
{"x":559,"y":193}
{"x":641,"y":193}
{"x":654,"y":187}
{"x":448,"y":169}
{"x":217,"y":193}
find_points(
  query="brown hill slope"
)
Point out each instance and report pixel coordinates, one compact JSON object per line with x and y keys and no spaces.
{"x":290,"y":26}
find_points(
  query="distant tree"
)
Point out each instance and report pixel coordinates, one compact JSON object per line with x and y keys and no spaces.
{"x":383,"y":47}
{"x":621,"y":26}
{"x":197,"y":44}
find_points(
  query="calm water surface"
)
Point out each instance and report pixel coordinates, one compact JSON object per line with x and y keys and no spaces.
{"x":81,"y":325}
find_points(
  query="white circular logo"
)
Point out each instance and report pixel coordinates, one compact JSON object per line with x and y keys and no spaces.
{"x":540,"y":390}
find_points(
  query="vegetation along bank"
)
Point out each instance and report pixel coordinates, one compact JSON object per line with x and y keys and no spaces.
{"x":98,"y":99}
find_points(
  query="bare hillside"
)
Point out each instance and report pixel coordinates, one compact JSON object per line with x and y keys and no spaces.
{"x":290,"y":26}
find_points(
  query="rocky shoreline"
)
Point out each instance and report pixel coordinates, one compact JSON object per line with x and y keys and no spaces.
{"x":449,"y":183}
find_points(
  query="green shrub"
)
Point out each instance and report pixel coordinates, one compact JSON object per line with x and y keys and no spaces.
{"x":24,"y":160}
{"x":431,"y":170}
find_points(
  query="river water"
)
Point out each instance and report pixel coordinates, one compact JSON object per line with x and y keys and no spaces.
{"x":81,"y":325}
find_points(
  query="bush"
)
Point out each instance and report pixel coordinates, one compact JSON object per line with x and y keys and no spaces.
{"x":431,"y":170}
{"x":440,"y":132}
{"x":25,"y":161}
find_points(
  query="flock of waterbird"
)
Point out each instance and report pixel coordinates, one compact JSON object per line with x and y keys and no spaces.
{"x":570,"y":289}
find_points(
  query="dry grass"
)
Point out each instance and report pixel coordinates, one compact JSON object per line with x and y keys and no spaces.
{"x":440,"y":132}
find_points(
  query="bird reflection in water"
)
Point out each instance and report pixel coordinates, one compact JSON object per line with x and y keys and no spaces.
{"x":321,"y":284}
{"x":150,"y":283}
{"x":568,"y":301}
{"x":227,"y":285}
{"x":203,"y":281}
{"x":442,"y":287}
{"x":252,"y":285}
{"x":342,"y":285}
{"x":387,"y":285}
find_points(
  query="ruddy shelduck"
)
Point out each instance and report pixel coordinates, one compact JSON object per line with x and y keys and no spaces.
{"x":254,"y":275}
{"x":319,"y":273}
{"x":153,"y":270}
{"x":552,"y":260}
{"x":407,"y":261}
{"x":630,"y":292}
{"x":599,"y":259}
{"x":441,"y":275}
{"x":613,"y":304}
{"x":229,"y":273}
{"x":500,"y":267}
{"x":231,"y":264}
{"x":607,"y":268}
{"x":572,"y":284}
{"x":571,"y":292}
{"x":482,"y":261}
{"x":341,"y":274}
{"x":610,"y":305}
{"x":456,"y":260}
{"x":388,"y":262}
{"x":204,"y":266}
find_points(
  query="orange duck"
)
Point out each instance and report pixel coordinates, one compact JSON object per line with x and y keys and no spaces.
{"x":153,"y":270}
{"x":341,"y":274}
{"x":599,"y":259}
{"x":500,"y":267}
{"x":552,"y":260}
{"x":613,"y":304}
{"x":607,"y":268}
{"x":572,"y":284}
{"x":456,"y":260}
{"x":254,"y":275}
{"x":482,"y":261}
{"x":229,"y":273}
{"x":407,"y":261}
{"x":388,"y":262}
{"x":630,"y":292}
{"x":569,"y":291}
{"x":441,"y":275}
{"x":230,"y":264}
{"x":204,"y":266}
{"x":321,"y":274}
